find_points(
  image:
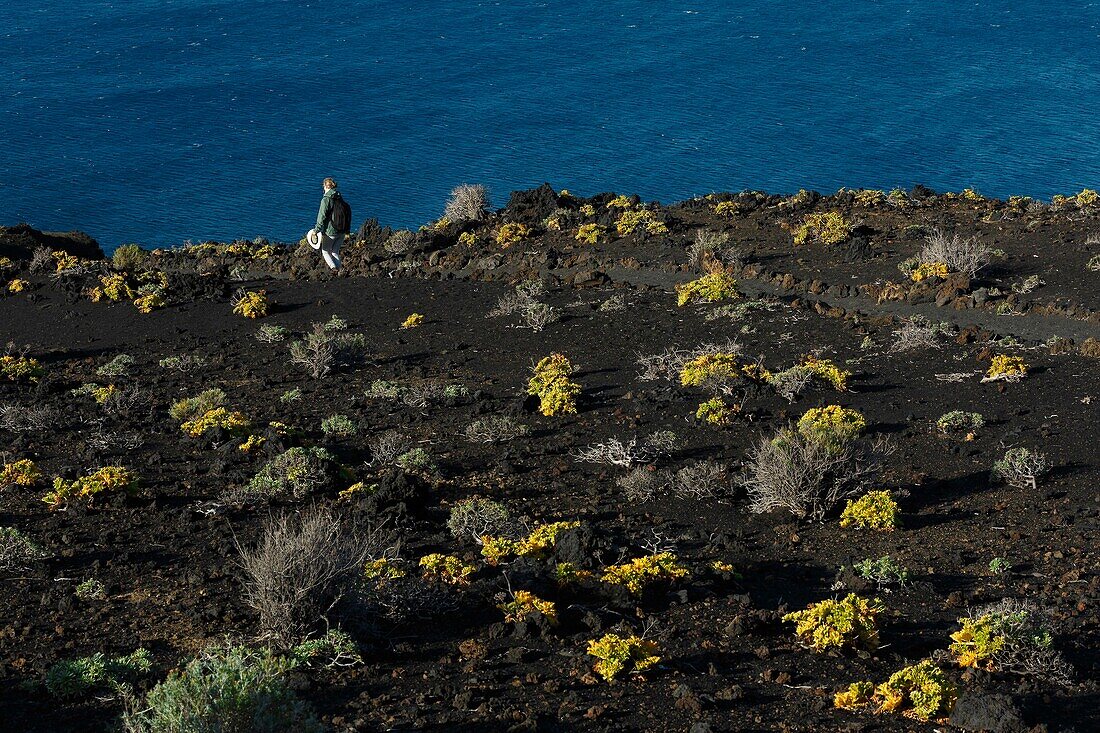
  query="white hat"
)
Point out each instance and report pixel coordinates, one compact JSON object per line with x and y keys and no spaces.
{"x":314,"y":238}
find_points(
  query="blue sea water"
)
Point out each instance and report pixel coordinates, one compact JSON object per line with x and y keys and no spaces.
{"x":157,"y":121}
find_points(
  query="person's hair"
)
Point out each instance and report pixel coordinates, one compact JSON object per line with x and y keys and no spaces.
{"x":329,"y":183}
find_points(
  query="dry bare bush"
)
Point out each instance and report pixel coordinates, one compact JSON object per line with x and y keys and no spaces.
{"x":631,"y":453}
{"x":41,"y":260}
{"x":301,"y":568}
{"x":702,"y":480}
{"x":473,"y":519}
{"x":524,"y":302}
{"x":123,"y":402}
{"x":643,"y":484}
{"x":27,"y":418}
{"x":494,"y":429}
{"x":316,"y":353}
{"x":669,"y":363}
{"x":386,"y":448}
{"x":707,"y":244}
{"x":1021,"y":468}
{"x":467,"y":203}
{"x":967,"y":256}
{"x":920,"y":333}
{"x":803,"y":476}
{"x":790,"y":383}
{"x":399,"y":242}
{"x":17,"y":551}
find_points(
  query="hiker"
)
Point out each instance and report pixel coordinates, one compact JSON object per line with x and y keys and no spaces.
{"x":333,"y":222}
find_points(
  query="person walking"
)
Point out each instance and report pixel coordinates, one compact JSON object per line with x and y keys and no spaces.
{"x":333,"y":222}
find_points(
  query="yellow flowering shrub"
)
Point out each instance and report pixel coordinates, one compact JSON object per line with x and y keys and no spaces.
{"x":727,"y":208}
{"x":589,"y":233}
{"x":1006,"y":368}
{"x":622,"y":201}
{"x":149,"y":302}
{"x":833,"y":624}
{"x":412,"y":321}
{"x":511,"y":233}
{"x":64,"y":260}
{"x":102,"y":394}
{"x":617,"y":654}
{"x":641,"y":571}
{"x":567,"y":572}
{"x":719,"y":366}
{"x":828,"y":372}
{"x":17,"y":286}
{"x":928,"y":270}
{"x":718,"y":284}
{"x":525,"y":605}
{"x":382,"y":569}
{"x":716,"y":412}
{"x":588,"y":210}
{"x":921,"y":691}
{"x":497,"y":549}
{"x":218,"y":417}
{"x":468,"y":239}
{"x":826,"y":228}
{"x":832,"y":425}
{"x":14,"y":368}
{"x":550,"y":383}
{"x":19,"y":473}
{"x":446,"y":568}
{"x":869,"y":197}
{"x":539,"y":543}
{"x":111,"y":478}
{"x":252,"y":305}
{"x":252,"y":443}
{"x":873,"y":510}
{"x":632,"y":220}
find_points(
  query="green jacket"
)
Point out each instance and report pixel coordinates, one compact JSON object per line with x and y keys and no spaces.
{"x":324,"y":215}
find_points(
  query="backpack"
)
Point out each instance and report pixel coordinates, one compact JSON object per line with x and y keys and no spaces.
{"x":340,"y":214}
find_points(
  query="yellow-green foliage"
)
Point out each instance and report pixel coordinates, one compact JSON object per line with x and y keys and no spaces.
{"x":720,"y":366}
{"x":382,"y":569}
{"x":149,"y":302}
{"x":525,"y":605}
{"x":928,"y":270}
{"x":969,"y":194}
{"x":111,"y":478}
{"x":1087,"y":197}
{"x":589,"y":233}
{"x":550,"y":383}
{"x":588,"y":210}
{"x":873,"y":510}
{"x":252,"y":305}
{"x":828,"y":372}
{"x":921,"y":691}
{"x":538,"y":544}
{"x":630,"y":221}
{"x":716,"y":412}
{"x":869,"y":196}
{"x":833,"y":624}
{"x":511,"y":233}
{"x":567,"y":572}
{"x":219,"y":417}
{"x":102,"y":394}
{"x":727,"y":208}
{"x":468,"y":239}
{"x":832,"y":426}
{"x":978,"y":640}
{"x":252,"y":443}
{"x":1006,"y":368}
{"x":412,"y":321}
{"x":19,"y":473}
{"x":14,"y":368}
{"x":618,"y":655}
{"x":192,"y":407}
{"x":622,"y":201}
{"x":826,"y":228}
{"x":641,"y":571}
{"x":718,"y":284}
{"x":447,"y":568}
{"x":924,"y":686}
{"x":64,"y":260}
{"x":17,"y":286}
{"x":114,"y":287}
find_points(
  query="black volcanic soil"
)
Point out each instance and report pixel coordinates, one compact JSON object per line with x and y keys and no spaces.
{"x":167,"y":554}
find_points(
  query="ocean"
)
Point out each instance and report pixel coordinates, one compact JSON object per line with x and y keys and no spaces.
{"x":160,"y":121}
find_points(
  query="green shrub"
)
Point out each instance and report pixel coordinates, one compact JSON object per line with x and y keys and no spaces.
{"x":958,"y":421}
{"x":338,"y":426}
{"x":117,"y":367}
{"x":297,"y":472}
{"x":225,"y":690}
{"x":128,"y":257}
{"x":17,"y":551}
{"x":75,"y":677}
{"x":192,"y":407}
{"x":883,"y":571}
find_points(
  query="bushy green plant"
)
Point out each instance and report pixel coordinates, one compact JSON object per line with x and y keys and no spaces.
{"x":19,"y":473}
{"x":117,"y":367}
{"x":920,"y":691}
{"x":416,"y":460}
{"x":75,"y":677}
{"x":17,"y":551}
{"x":478,"y":517}
{"x":229,"y":689}
{"x":335,"y":649}
{"x":192,"y":407}
{"x":824,"y":228}
{"x":883,"y":571}
{"x":15,"y":368}
{"x":251,"y":305}
{"x":296,"y":472}
{"x":525,"y":605}
{"x":338,"y":426}
{"x":1009,"y":636}
{"x":958,"y":421}
{"x":91,"y":590}
{"x":128,"y":257}
{"x":837,"y":624}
